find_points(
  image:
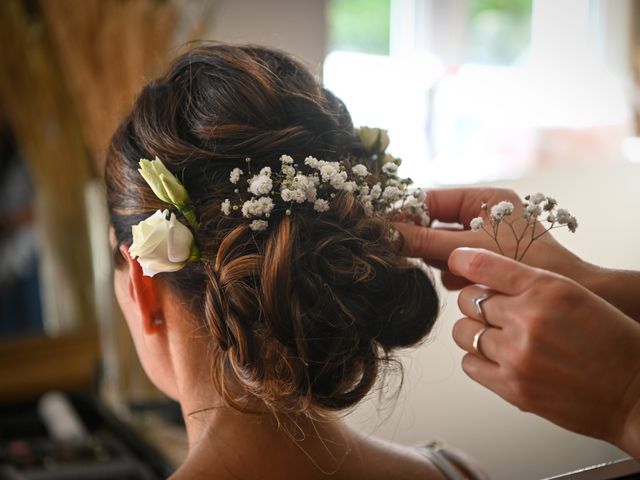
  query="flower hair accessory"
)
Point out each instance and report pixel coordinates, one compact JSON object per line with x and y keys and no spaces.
{"x":163,"y":244}
{"x":316,"y":182}
{"x":160,"y":242}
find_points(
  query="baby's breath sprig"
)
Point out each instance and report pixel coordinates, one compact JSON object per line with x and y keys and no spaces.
{"x":318,"y":181}
{"x":537,"y":208}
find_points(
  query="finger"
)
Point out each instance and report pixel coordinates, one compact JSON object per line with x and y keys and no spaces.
{"x":491,"y":310}
{"x":464,"y":332}
{"x":454,"y":204}
{"x":434,"y":244}
{"x":495,"y":271}
{"x":453,"y":282}
{"x":488,"y":374}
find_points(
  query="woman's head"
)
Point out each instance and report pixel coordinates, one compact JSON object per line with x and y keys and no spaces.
{"x":301,"y":316}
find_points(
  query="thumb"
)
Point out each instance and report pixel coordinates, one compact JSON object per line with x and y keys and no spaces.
{"x":431,"y":243}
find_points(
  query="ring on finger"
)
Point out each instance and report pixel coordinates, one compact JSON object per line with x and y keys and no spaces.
{"x":476,"y":342}
{"x":478,"y":304}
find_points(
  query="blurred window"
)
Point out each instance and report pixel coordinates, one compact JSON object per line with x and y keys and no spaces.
{"x":478,"y":90}
{"x":499,"y":31}
{"x":359,"y":26}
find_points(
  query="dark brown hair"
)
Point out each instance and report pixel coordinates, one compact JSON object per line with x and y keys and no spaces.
{"x":300,"y":316}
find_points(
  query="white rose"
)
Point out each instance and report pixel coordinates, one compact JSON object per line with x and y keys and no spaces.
{"x":161,"y":244}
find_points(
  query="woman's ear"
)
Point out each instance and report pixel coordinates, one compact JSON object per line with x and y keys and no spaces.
{"x":143,"y":293}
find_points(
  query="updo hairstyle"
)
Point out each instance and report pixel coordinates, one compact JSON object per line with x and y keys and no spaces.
{"x":303,"y":315}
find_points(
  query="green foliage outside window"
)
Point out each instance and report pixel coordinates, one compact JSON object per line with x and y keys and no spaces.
{"x":359,"y":25}
{"x":499,"y":30}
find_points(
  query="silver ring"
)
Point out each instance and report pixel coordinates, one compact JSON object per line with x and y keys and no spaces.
{"x":478,"y":303}
{"x":476,"y":341}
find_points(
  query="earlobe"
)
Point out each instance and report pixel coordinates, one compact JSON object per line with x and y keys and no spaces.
{"x":144,"y":294}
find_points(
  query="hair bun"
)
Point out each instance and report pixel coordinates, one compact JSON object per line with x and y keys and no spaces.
{"x":353,"y":300}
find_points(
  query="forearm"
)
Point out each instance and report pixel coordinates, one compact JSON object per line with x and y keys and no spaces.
{"x":620,"y":288}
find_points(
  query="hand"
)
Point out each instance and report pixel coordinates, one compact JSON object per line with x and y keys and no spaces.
{"x":460,"y":205}
{"x":553,"y":348}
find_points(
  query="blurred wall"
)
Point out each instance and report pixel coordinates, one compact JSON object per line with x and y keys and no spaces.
{"x":299,"y":27}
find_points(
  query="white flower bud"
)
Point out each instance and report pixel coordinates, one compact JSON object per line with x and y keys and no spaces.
{"x":234,"y":176}
{"x":376,"y":191}
{"x":391,"y":194}
{"x":286,"y":194}
{"x":312,"y":162}
{"x":260,"y":184}
{"x":537,"y":198}
{"x":321,"y":205}
{"x":476,"y":224}
{"x":390,"y":168}
{"x":563,"y":216}
{"x":225,"y":207}
{"x":501,"y":210}
{"x":550,"y":204}
{"x":533,"y":210}
{"x":259,"y":225}
{"x":163,"y":183}
{"x":338,"y":179}
{"x":257,"y":207}
{"x":329,"y":170}
{"x":360,"y":170}
{"x":349,"y":186}
{"x":288,"y":170}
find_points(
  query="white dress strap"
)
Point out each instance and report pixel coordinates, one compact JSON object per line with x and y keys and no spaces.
{"x":452,"y":464}
{"x":442,"y":463}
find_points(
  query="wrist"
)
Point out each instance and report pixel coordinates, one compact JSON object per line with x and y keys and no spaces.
{"x":618,"y":287}
{"x":569,"y":265}
{"x":592,"y":277}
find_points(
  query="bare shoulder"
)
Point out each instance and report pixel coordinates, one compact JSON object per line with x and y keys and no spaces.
{"x":380,"y":459}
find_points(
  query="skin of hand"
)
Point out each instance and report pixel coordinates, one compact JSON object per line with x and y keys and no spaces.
{"x":552,"y":347}
{"x":460,"y":205}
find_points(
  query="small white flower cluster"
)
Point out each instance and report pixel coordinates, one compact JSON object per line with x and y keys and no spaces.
{"x":476,"y":224}
{"x":501,"y":210}
{"x":535,"y":207}
{"x":538,"y":204}
{"x":316,"y":182}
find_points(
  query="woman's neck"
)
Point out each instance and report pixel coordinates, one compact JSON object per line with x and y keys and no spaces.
{"x":225,"y":440}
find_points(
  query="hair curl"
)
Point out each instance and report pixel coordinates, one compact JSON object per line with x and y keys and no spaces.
{"x":301,"y":316}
